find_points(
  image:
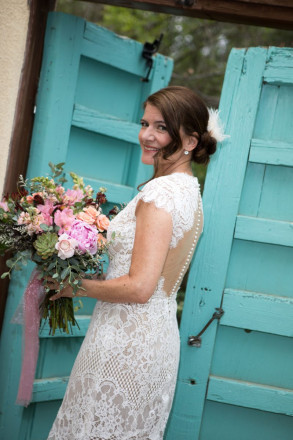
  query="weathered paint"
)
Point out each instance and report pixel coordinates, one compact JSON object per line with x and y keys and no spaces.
{"x":243,"y":264}
{"x":258,"y":311}
{"x":88,"y":108}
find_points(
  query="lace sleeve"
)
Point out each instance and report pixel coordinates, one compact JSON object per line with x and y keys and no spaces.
{"x":178,"y":195}
{"x":159,"y":191}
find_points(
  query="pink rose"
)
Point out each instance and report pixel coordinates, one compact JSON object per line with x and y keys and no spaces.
{"x":64,"y":219}
{"x":85,"y":235}
{"x":66,"y":246}
{"x":102,"y":223}
{"x":4,"y":206}
{"x":88,"y":215}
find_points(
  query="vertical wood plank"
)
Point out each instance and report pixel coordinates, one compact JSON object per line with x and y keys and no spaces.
{"x":223,"y":187}
{"x":50,"y":140}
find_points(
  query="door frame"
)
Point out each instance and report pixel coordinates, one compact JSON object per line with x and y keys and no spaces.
{"x":24,"y":112}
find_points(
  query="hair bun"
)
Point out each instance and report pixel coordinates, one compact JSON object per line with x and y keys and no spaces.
{"x":206,"y":147}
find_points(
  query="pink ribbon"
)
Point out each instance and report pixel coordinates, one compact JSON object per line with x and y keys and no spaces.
{"x":33,"y":296}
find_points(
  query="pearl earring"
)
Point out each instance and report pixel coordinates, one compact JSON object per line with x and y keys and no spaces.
{"x":186,"y":152}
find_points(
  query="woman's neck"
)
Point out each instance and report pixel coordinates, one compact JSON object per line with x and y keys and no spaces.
{"x":174,"y":168}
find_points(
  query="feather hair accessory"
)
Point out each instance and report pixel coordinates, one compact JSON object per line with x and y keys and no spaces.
{"x":215,"y":125}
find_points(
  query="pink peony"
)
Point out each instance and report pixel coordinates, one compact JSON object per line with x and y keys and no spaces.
{"x":4,"y":206}
{"x":102,"y":222}
{"x":66,"y":246}
{"x":86,"y":236}
{"x":72,"y":196}
{"x":64,"y":219}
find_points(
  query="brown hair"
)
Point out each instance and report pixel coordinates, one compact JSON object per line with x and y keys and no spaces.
{"x":181,"y":107}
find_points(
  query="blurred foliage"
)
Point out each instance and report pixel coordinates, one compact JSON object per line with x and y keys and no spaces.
{"x":199,"y":48}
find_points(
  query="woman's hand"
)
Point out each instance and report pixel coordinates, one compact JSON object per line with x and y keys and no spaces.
{"x":54,"y":285}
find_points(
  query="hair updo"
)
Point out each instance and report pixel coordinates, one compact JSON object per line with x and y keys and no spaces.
{"x":181,"y":107}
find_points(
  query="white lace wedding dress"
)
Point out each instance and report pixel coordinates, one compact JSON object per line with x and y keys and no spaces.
{"x":123,"y":380}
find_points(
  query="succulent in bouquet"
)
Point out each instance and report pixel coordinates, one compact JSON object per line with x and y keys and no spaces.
{"x":62,"y":230}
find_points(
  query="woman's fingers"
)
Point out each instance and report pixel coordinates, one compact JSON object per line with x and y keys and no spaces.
{"x":56,"y":296}
{"x":66,"y":292}
{"x":52,"y":283}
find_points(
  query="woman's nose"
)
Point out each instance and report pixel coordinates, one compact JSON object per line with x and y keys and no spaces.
{"x":148,"y":134}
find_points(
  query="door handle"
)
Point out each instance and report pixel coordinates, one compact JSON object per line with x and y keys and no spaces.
{"x":195,"y":341}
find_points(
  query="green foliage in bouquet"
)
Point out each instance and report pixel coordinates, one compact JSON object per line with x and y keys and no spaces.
{"x":62,"y":231}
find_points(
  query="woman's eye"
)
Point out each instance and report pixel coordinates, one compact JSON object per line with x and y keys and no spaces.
{"x":143,"y":123}
{"x":162,"y":127}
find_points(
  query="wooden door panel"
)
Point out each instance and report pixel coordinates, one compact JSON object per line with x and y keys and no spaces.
{"x":248,"y":352}
{"x":239,"y":381}
{"x":250,"y":260}
{"x":88,"y":109}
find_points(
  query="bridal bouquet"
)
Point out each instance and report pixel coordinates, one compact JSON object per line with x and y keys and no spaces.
{"x":62,"y":231}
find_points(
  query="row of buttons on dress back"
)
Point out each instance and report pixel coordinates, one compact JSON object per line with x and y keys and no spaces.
{"x":190,"y":253}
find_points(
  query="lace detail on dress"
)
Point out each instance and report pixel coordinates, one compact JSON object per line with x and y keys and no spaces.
{"x":123,"y":380}
{"x":178,"y":195}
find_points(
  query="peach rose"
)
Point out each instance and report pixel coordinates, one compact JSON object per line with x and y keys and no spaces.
{"x":102,"y":223}
{"x":101,"y":240}
{"x":89,"y":215}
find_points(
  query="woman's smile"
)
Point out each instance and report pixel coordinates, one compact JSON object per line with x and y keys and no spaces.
{"x":150,"y":148}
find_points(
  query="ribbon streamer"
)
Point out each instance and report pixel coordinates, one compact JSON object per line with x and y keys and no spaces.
{"x":33,"y":296}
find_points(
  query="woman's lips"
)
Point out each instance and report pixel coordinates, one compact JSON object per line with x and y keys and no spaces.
{"x":150,"y":148}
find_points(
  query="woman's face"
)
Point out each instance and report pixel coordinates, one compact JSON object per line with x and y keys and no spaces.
{"x":153,"y":134}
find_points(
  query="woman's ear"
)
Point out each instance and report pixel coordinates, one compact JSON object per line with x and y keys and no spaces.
{"x":191,"y":141}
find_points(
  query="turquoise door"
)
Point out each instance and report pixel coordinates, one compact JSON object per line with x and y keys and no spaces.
{"x":238,"y":384}
{"x":87,"y":114}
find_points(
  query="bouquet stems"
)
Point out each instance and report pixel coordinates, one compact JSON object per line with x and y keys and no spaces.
{"x":59,"y":313}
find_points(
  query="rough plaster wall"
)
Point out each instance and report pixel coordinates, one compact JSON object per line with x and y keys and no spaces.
{"x":14,"y":16}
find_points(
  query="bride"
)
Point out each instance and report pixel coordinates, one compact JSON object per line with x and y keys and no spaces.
{"x":122,"y":384}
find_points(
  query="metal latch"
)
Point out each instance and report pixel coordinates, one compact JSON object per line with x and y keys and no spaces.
{"x":149,"y":49}
{"x":195,"y":341}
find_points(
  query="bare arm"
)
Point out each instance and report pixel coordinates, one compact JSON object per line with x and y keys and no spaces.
{"x":152,"y":240}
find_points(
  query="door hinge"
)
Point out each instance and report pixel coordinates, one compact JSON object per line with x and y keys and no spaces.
{"x":149,"y":49}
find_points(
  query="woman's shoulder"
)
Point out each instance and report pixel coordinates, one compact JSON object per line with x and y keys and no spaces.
{"x":172,"y":182}
{"x":167,"y":191}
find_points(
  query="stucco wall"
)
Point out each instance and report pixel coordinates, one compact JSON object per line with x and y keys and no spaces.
{"x":14,"y":16}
